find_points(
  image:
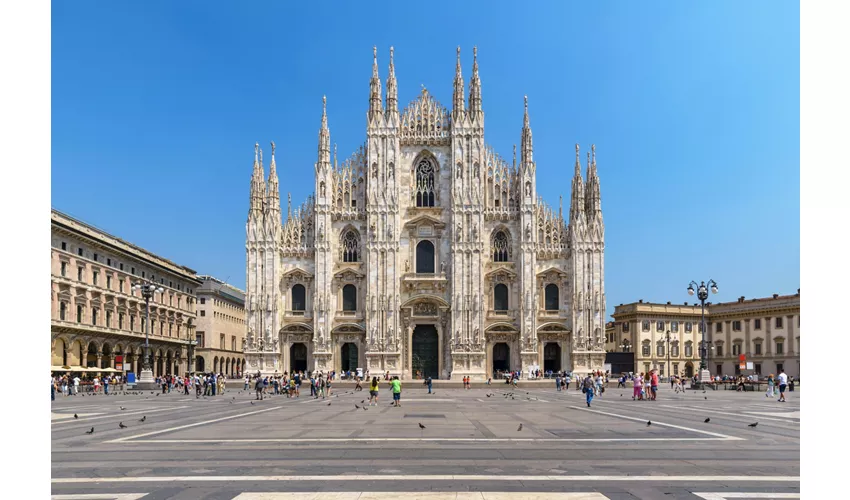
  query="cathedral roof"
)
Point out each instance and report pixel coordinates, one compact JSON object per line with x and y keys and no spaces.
{"x":425,"y":120}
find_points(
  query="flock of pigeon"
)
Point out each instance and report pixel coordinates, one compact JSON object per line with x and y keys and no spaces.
{"x":358,"y":407}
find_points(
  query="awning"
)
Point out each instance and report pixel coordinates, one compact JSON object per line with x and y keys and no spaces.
{"x":60,"y":369}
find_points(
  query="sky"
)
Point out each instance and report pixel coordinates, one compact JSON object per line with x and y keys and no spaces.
{"x":694,"y":108}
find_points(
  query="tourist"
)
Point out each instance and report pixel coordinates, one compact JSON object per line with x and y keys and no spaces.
{"x":428,"y":383}
{"x":320,"y":387}
{"x":373,"y":392}
{"x":297,"y":380}
{"x":587,"y":389}
{"x":770,"y":387}
{"x":96,"y":384}
{"x":558,"y":383}
{"x":638,"y":387}
{"x":396,"y":386}
{"x":357,"y":387}
{"x":783,"y":383}
{"x":489,"y":380}
{"x":564,"y":382}
{"x":598,"y":385}
{"x":258,"y":388}
{"x":247,"y":381}
{"x":791,"y":383}
{"x":653,"y":380}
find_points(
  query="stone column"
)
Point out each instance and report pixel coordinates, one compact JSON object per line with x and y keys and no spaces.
{"x":112,"y":360}
{"x":790,"y":322}
{"x":768,"y":348}
{"x":747,"y":337}
{"x":99,"y":358}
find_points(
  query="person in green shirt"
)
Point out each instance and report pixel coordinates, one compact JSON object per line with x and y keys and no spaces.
{"x":396,"y":386}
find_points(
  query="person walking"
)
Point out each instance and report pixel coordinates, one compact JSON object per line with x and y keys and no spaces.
{"x":638,"y":387}
{"x":770,"y":386}
{"x":783,"y":383}
{"x":328,"y":386}
{"x":587,"y":389}
{"x":653,"y":381}
{"x":428,"y":382}
{"x":396,"y":386}
{"x":373,"y":391}
{"x":258,"y":389}
{"x":357,"y":387}
{"x":558,"y":383}
{"x":247,"y":381}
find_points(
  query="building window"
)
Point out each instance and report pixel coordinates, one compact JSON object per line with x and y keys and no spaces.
{"x":121,"y":286}
{"x":162,"y":328}
{"x":133,"y":271}
{"x":108,"y":262}
{"x":62,"y":311}
{"x":674,"y":326}
{"x":143,"y":274}
{"x":425,"y":187}
{"x":645,"y":349}
{"x":233,"y":343}
{"x":500,"y":297}
{"x":625,"y":327}
{"x":350,"y":246}
{"x":132,"y":322}
{"x":79,"y":274}
{"x":676,"y":369}
{"x":94,"y":316}
{"x":758,"y":348}
{"x":501,"y":247}
{"x":299,"y":298}
{"x":349,"y":298}
{"x":659,"y":326}
{"x":719,"y":368}
{"x":689,"y":350}
{"x":109,"y":282}
{"x":94,"y":276}
{"x":719,"y":349}
{"x":645,"y":325}
{"x":719,"y":327}
{"x":552,"y":297}
{"x":425,"y":257}
{"x":169,"y":329}
{"x":94,"y":257}
{"x":80,"y":252}
{"x":109,"y":319}
{"x":221,"y":341}
{"x":203,"y":313}
{"x":661,"y":369}
{"x":780,"y":348}
{"x":689,"y":327}
{"x":63,"y":267}
{"x":79,"y":314}
{"x":203,"y":300}
{"x":121,"y":266}
{"x":64,"y":246}
{"x":120,"y":321}
{"x":659,"y":350}
{"x":779,"y":368}
{"x":199,"y":338}
{"x":736,"y":349}
{"x":758,"y":368}
{"x":736,"y":326}
{"x":778,"y":322}
{"x":674,"y":350}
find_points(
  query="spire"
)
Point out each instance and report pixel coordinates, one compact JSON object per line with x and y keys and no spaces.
{"x":335,"y":164}
{"x":561,"y":206}
{"x":258,"y":187}
{"x":324,"y":136}
{"x":527,"y":148}
{"x":593,"y":201}
{"x":577,"y":198}
{"x":475,"y":85}
{"x":392,"y":88}
{"x":375,"y":105}
{"x":514,"y":156}
{"x":273,"y":189}
{"x":457,"y":97}
{"x":288,"y":205}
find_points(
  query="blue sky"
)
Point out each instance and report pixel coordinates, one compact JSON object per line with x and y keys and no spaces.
{"x":694,"y":108}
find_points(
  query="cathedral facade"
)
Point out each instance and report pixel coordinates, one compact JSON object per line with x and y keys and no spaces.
{"x":425,"y":253}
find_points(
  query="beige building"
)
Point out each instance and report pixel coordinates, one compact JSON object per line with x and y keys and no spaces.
{"x":220,"y":330}
{"x":766,"y":331}
{"x":98,"y":320}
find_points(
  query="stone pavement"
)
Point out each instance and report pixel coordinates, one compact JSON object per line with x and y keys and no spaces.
{"x":226,"y":447}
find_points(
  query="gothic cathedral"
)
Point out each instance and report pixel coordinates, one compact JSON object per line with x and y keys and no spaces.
{"x":425,"y":253}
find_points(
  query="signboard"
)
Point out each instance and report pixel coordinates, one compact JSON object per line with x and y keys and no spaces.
{"x":131,"y":378}
{"x":742,"y":366}
{"x":750,"y":365}
{"x":119,"y":366}
{"x":742,"y":357}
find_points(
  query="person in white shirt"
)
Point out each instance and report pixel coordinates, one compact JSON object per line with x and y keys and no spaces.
{"x":783,"y":383}
{"x":76,"y":385}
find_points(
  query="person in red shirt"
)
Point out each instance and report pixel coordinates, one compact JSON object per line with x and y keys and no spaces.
{"x":654,"y":383}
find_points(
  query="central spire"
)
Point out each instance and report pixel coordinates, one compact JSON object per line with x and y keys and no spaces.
{"x":375,"y":105}
{"x":324,"y":136}
{"x":526,"y":145}
{"x":475,"y":86}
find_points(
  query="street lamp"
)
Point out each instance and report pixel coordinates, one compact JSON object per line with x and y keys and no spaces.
{"x":191,"y":343}
{"x":702,"y":294}
{"x":148,"y":290}
{"x":669,"y":370}
{"x":625,"y":346}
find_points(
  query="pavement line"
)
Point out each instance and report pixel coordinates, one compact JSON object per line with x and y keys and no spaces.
{"x":128,"y":438}
{"x":728,"y":495}
{"x":663,"y":424}
{"x":100,"y":496}
{"x":412,"y":477}
{"x":429,"y":495}
{"x":65,"y":421}
{"x":418,"y":440}
{"x":738,"y":416}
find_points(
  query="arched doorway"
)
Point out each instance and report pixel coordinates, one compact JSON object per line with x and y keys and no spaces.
{"x":298,"y":357}
{"x":689,"y":369}
{"x":106,"y":358}
{"x":349,"y":356}
{"x":501,"y":357}
{"x":199,"y":364}
{"x":91,"y":356}
{"x":552,"y":357}
{"x":215,"y":364}
{"x":60,"y":356}
{"x":425,"y":356}
{"x":169,"y":364}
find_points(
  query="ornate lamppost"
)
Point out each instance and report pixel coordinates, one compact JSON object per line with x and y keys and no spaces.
{"x":191,"y":343}
{"x":148,"y":290}
{"x":702,"y":294}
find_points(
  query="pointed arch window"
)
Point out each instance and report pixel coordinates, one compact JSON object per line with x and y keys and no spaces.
{"x":500,"y":297}
{"x":425,"y":257}
{"x":424,"y":189}
{"x":552,"y":293}
{"x":350,"y":246}
{"x":501,"y":247}
{"x":299,"y":298}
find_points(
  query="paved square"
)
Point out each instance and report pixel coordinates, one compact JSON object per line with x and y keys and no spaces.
{"x":231,"y":446}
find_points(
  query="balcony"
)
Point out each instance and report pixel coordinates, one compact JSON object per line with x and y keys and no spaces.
{"x":508,"y":315}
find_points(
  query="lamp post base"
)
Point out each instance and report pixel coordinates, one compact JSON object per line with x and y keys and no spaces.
{"x":146,"y":382}
{"x":704,"y":375}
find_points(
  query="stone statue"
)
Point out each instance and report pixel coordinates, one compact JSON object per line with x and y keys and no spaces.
{"x":443,"y":266}
{"x":528,"y":230}
{"x":459,"y":232}
{"x":262,"y":344}
{"x":406,"y":266}
{"x":389,"y":231}
{"x":474,"y":231}
{"x":321,"y":232}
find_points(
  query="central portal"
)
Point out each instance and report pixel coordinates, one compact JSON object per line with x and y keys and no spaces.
{"x":426,"y":348}
{"x":298,"y":357}
{"x":501,"y":358}
{"x":349,"y":357}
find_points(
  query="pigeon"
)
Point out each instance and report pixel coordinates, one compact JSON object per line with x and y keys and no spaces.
{"x":356,"y":406}
{"x":753,"y":424}
{"x":143,"y":418}
{"x":121,"y":425}
{"x":706,"y":397}
{"x":252,"y":402}
{"x":365,"y":409}
{"x":91,"y":431}
{"x":122,"y":407}
{"x":489,"y":395}
{"x":363,"y":401}
{"x":648,"y":423}
{"x":421,"y":426}
{"x":519,"y":428}
{"x":707,"y":420}
{"x":76,"y":416}
{"x":329,"y":404}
